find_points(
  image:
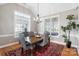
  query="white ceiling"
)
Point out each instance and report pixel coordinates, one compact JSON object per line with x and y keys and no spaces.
{"x":51,"y":8}
{"x":48,"y":8}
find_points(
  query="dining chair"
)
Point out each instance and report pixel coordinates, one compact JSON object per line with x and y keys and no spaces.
{"x":45,"y":39}
{"x":26,"y":33}
{"x":26,"y":46}
{"x":31,"y":34}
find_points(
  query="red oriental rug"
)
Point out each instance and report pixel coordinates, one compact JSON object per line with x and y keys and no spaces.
{"x":53,"y":49}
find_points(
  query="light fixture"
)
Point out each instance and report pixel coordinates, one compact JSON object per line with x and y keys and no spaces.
{"x":37,"y":18}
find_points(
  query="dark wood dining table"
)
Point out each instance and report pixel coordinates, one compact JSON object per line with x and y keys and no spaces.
{"x":36,"y":39}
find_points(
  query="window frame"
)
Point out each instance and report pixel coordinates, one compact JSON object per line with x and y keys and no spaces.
{"x":50,"y":17}
{"x":20,"y":14}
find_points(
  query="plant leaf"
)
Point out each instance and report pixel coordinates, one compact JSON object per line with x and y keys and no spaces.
{"x":77,"y":25}
{"x":70,"y":17}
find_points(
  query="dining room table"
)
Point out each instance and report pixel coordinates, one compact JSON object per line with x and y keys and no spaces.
{"x":33,"y":40}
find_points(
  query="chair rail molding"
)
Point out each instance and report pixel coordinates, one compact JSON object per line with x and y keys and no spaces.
{"x":6,"y":35}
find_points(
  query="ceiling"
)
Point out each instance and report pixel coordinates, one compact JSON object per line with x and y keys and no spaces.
{"x":46,"y":9}
{"x":50,"y":8}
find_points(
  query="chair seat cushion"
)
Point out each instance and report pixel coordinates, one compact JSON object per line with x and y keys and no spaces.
{"x":54,"y":34}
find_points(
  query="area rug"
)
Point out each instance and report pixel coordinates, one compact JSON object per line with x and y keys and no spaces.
{"x":53,"y":49}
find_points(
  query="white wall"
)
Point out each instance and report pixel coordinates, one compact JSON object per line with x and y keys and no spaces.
{"x":7,"y":21}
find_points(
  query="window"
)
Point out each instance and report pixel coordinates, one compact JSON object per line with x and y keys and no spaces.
{"x":51,"y":25}
{"x":54,"y":25}
{"x":47,"y":25}
{"x":22,"y":21}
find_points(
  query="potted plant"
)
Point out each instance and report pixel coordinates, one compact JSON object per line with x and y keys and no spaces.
{"x":68,"y":28}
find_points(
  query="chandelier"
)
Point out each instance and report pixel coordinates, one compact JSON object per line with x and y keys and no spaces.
{"x":37,"y":18}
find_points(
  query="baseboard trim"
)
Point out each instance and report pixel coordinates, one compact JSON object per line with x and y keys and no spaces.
{"x":58,"y":42}
{"x":6,"y":45}
{"x":63,"y":43}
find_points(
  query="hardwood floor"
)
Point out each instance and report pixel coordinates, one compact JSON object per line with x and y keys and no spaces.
{"x":9,"y":48}
{"x":69,"y":51}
